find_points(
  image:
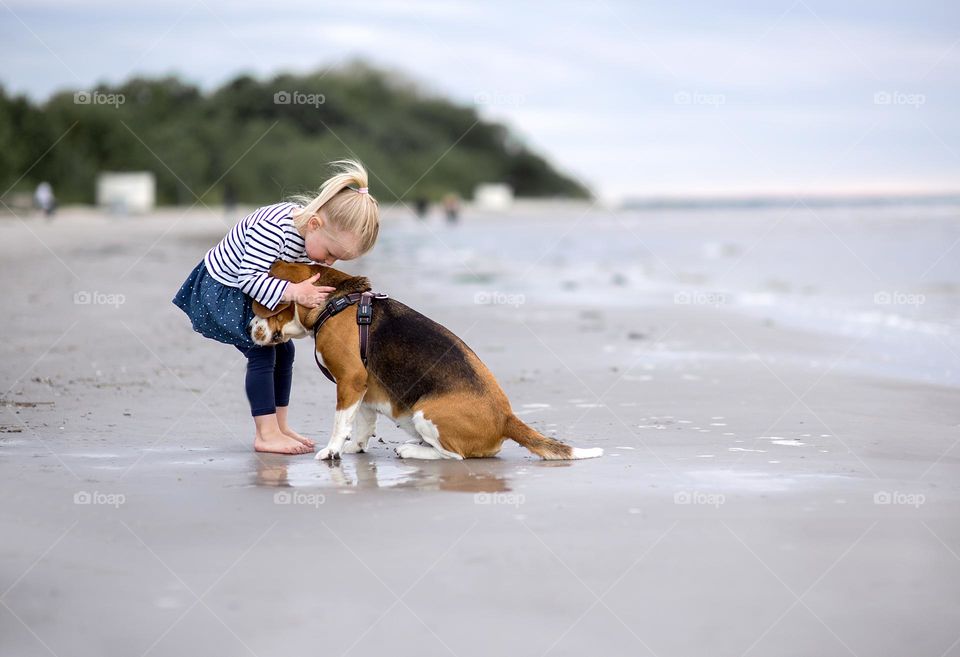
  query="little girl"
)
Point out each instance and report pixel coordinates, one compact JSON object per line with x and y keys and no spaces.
{"x":340,"y":223}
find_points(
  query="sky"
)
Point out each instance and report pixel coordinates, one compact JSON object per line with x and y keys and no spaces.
{"x":635,"y":99}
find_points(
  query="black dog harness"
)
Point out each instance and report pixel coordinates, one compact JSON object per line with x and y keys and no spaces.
{"x":364,"y":317}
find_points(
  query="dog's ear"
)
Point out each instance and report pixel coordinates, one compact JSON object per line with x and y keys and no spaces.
{"x":261,"y":310}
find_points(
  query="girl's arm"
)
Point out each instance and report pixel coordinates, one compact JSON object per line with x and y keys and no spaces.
{"x":264,"y":244}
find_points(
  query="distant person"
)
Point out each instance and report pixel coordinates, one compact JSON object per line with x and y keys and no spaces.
{"x":44,"y":199}
{"x":229,"y":198}
{"x":422,"y":205}
{"x":451,"y":208}
{"x":340,"y":223}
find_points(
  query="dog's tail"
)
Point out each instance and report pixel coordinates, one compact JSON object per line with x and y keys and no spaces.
{"x":547,"y":448}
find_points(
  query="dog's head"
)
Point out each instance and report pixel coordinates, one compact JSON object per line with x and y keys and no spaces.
{"x":291,"y":320}
{"x":270,"y":327}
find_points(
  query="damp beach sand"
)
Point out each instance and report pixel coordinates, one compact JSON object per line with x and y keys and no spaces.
{"x":781,"y":475}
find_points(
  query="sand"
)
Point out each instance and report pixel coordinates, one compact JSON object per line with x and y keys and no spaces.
{"x":759,"y":495}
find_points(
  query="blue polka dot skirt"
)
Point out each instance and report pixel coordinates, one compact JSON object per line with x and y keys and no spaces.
{"x":217,"y":311}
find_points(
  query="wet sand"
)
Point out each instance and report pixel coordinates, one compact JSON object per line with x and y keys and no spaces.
{"x":757,"y":496}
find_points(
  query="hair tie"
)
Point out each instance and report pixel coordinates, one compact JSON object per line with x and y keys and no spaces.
{"x":363,"y":190}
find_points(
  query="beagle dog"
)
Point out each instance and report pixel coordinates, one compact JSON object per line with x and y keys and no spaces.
{"x":418,"y":373}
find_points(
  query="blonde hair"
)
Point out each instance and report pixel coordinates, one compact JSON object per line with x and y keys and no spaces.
{"x":343,"y":205}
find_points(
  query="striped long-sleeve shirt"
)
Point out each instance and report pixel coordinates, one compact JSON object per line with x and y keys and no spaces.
{"x":243,"y":258}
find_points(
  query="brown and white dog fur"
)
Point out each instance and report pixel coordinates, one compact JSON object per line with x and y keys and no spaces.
{"x":418,"y":373}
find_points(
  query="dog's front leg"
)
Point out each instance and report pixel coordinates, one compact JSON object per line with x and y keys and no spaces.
{"x":342,"y":422}
{"x":350,"y":390}
{"x":364,"y":427}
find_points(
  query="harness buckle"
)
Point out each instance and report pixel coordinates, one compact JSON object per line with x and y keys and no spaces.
{"x":364,"y":313}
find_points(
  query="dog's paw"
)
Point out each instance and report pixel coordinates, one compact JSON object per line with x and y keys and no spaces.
{"x":352,"y":447}
{"x":408,"y":450}
{"x":326,"y":454}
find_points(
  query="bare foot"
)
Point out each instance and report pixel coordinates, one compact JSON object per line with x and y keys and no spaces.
{"x":277,"y":442}
{"x":296,"y":436}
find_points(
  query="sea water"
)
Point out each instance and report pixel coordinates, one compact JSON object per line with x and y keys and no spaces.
{"x":886,"y":276}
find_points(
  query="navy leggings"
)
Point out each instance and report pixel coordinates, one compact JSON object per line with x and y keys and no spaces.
{"x":269,"y":377}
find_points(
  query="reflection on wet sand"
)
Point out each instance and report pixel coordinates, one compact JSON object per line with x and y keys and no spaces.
{"x":370,"y":471}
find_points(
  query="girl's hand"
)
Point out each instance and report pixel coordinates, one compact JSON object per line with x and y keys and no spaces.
{"x":307,"y":294}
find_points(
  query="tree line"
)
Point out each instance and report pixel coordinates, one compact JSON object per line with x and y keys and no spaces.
{"x":254,"y":141}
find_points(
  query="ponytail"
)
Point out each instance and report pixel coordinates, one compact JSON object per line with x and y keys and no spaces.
{"x":346,"y":204}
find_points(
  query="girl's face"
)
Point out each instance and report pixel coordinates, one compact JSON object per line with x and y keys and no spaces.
{"x":326,"y":244}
